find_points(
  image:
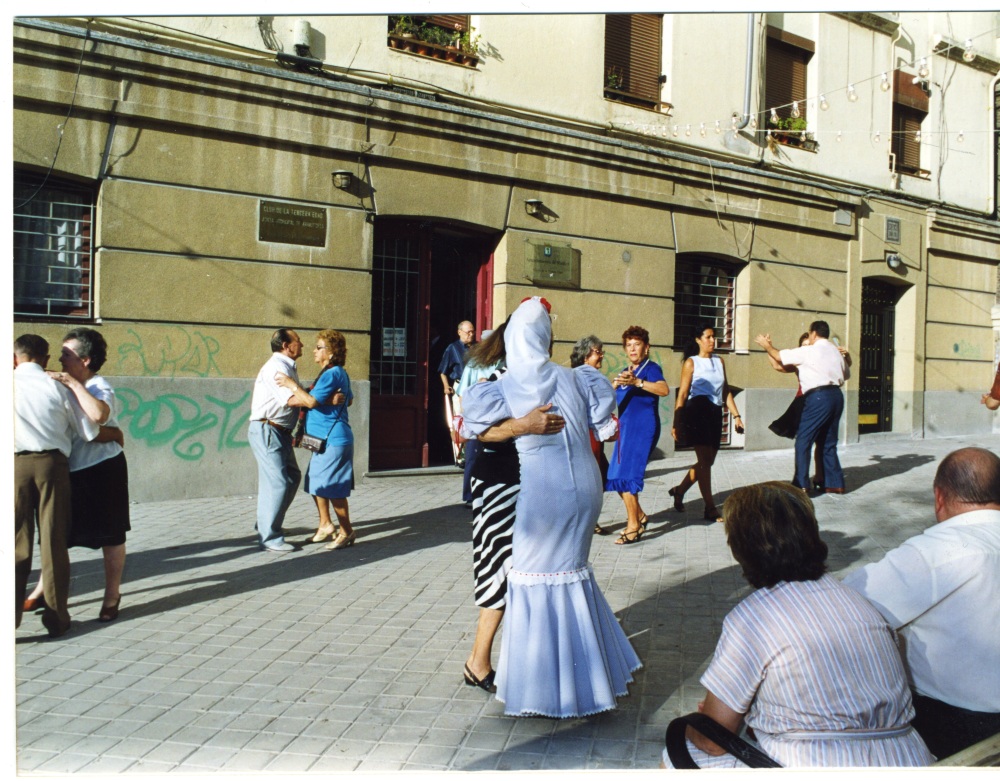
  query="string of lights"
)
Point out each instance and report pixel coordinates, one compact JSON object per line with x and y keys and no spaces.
{"x":769,"y":115}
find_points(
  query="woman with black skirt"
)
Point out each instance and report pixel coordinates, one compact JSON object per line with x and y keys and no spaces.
{"x":700,"y":398}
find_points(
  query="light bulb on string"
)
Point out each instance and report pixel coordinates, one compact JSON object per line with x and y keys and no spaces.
{"x":884,"y":85}
{"x":917,"y":136}
{"x":687,"y":130}
{"x":878,"y":136}
{"x":852,"y":94}
{"x":701,"y":130}
{"x":968,"y":55}
{"x":823,"y":104}
{"x":795,"y":109}
{"x":718,"y":126}
{"x":774,"y":117}
{"x":753,"y":122}
{"x":840,"y":136}
{"x":961,"y":136}
{"x":923,"y":71}
{"x":675,"y":131}
{"x":734,"y":123}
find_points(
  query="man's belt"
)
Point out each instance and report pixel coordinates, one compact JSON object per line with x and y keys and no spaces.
{"x":275,"y":425}
{"x":36,"y":452}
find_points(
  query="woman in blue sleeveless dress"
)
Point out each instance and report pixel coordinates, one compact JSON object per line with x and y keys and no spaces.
{"x":638,"y":390}
{"x":563,"y":653}
{"x":701,"y":395}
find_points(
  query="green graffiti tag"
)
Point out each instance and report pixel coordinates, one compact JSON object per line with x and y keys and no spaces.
{"x":179,"y":421}
{"x":171,"y":351}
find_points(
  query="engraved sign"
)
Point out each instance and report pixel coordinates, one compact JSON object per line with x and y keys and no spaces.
{"x":892,"y":229}
{"x":553,"y":265}
{"x":292,"y":223}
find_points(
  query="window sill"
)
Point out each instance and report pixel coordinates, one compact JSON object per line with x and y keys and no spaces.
{"x":620,"y":96}
{"x":793,"y":139}
{"x":919,"y":173}
{"x":433,"y":51}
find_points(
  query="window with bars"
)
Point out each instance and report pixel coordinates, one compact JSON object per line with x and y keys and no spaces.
{"x":395,"y":277}
{"x":787,"y":61}
{"x":633,"y":46}
{"x":53,"y":254}
{"x":704,"y":295}
{"x":910,"y":105}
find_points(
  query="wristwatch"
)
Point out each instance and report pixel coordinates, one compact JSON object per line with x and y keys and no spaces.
{"x":639,"y":383}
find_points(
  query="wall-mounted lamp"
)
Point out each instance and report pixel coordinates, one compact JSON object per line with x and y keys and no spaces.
{"x":342,"y":179}
{"x":533,"y":207}
{"x":893,"y":261}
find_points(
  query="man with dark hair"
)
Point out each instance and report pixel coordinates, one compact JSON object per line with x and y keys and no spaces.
{"x":46,"y":415}
{"x":272,"y":416}
{"x":941,"y":591}
{"x":822,"y":370}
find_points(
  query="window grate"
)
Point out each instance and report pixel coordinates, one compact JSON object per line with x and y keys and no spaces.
{"x":395,"y":277}
{"x":53,"y":253}
{"x":704,"y":293}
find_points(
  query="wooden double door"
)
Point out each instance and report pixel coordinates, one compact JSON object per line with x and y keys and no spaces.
{"x":878,"y":352}
{"x":427,"y":277}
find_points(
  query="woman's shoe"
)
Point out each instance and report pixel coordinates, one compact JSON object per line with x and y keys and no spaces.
{"x":627,"y":537}
{"x":713,"y":514}
{"x":678,"y":498}
{"x":30,"y":605}
{"x":109,"y":612}
{"x":486,"y":684}
{"x":322,"y":535}
{"x":598,"y":529}
{"x":643,"y":521}
{"x":343,"y":540}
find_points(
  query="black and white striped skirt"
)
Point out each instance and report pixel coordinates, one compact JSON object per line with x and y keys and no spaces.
{"x":492,"y":537}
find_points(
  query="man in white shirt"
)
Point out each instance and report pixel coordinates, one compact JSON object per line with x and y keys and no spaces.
{"x":272,"y":416}
{"x":941,"y":590}
{"x":822,"y":371}
{"x":45,"y":417}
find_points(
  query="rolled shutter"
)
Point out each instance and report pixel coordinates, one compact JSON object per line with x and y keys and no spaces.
{"x":633,"y":47}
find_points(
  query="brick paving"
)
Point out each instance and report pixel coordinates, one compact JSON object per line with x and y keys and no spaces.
{"x":228,"y":658}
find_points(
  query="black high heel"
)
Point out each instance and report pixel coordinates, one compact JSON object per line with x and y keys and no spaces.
{"x":486,"y":684}
{"x":678,"y":498}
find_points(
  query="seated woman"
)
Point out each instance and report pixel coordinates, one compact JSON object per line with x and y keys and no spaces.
{"x":805,"y":661}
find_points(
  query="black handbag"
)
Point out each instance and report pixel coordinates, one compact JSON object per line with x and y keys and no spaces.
{"x":680,"y":757}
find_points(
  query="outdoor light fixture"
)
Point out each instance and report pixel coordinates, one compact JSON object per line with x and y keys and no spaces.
{"x":969,"y":54}
{"x":823,"y":103}
{"x":884,"y":85}
{"x":533,"y":207}
{"x":852,"y":94}
{"x":893,"y":261}
{"x":342,"y":179}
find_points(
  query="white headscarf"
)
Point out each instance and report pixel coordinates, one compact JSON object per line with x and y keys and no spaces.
{"x":531,"y":376}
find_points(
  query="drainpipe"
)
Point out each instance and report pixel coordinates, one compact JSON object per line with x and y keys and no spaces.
{"x":749,"y":76}
{"x":991,"y":201}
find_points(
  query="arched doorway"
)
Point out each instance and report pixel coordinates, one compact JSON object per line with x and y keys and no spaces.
{"x":426,"y":278}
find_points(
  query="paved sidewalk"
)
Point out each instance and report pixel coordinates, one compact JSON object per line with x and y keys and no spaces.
{"x":227,"y":658}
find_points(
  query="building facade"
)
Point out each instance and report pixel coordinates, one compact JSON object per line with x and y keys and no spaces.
{"x":190,"y":184}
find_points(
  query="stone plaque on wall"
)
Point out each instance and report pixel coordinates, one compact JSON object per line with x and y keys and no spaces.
{"x":553,"y":265}
{"x":292,"y":223}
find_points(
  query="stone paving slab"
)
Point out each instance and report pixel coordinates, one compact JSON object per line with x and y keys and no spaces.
{"x":227,"y":658}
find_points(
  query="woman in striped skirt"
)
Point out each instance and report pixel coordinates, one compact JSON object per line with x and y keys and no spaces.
{"x":496,"y":483}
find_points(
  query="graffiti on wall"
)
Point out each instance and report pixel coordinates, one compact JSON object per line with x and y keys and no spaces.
{"x":169,"y":351}
{"x":188,"y":427}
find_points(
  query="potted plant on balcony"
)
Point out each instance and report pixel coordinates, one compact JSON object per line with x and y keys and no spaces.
{"x":614,"y":78}
{"x":468,"y":48}
{"x":791,"y":131}
{"x":401,"y":32}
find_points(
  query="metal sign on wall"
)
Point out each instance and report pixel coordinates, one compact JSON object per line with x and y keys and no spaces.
{"x":292,"y":223}
{"x":553,"y":265}
{"x":893,"y":229}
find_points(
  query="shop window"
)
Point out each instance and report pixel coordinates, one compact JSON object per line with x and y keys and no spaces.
{"x":785,"y":83}
{"x":704,"y":294}
{"x":53,"y":254}
{"x":909,"y":109}
{"x":632,"y":58}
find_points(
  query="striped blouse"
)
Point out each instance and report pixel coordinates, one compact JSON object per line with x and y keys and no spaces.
{"x":811,"y":657}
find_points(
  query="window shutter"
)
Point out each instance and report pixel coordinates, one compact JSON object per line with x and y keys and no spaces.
{"x":633,"y":48}
{"x":906,"y":122}
{"x":786,"y":77}
{"x":458,"y":22}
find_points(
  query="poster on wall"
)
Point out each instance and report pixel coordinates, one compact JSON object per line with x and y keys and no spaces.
{"x":393,"y":342}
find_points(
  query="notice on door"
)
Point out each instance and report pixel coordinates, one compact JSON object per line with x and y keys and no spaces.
{"x":292,"y":223}
{"x":393,"y":342}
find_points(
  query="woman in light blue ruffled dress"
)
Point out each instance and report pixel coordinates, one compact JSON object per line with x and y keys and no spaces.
{"x":563,"y":653}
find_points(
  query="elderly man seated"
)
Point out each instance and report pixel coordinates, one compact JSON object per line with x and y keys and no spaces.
{"x":941,"y":590}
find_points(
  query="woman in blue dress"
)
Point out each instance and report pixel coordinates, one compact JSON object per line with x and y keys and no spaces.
{"x":638,"y":390}
{"x":330,"y":476}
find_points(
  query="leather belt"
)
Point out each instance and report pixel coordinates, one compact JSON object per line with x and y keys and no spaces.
{"x":275,"y":425}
